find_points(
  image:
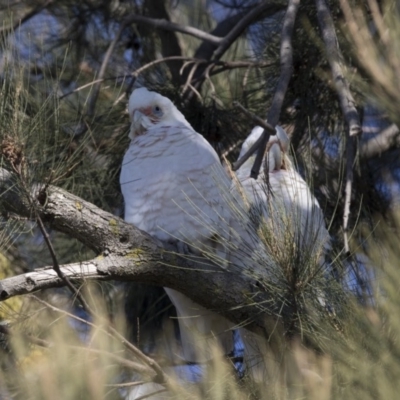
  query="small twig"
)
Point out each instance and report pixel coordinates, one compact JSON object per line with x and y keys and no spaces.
{"x":350,"y":156}
{"x":125,"y":384}
{"x":286,"y":57}
{"x":268,"y":128}
{"x":259,"y":121}
{"x":56,"y":266}
{"x":160,"y":377}
{"x":86,"y":85}
{"x":189,"y":78}
{"x":226,"y":66}
{"x":103,"y":67}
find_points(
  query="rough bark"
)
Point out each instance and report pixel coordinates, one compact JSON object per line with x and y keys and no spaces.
{"x":128,"y":254}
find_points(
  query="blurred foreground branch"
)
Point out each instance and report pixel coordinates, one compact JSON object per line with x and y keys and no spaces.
{"x":380,"y":143}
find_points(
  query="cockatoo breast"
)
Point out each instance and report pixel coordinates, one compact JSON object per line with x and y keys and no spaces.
{"x":171,"y":180}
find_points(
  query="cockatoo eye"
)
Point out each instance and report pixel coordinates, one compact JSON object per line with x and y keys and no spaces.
{"x":157,"y":111}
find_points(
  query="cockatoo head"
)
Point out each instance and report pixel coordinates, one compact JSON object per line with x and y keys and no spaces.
{"x":148,"y":109}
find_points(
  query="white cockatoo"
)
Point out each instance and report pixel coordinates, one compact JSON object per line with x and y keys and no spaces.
{"x":286,"y":195}
{"x":173,"y":186}
{"x":289,"y":211}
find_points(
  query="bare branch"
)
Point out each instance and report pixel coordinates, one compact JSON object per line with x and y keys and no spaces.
{"x":240,"y":27}
{"x":56,"y":266}
{"x":128,"y":254}
{"x":256,"y":145}
{"x":170,"y":45}
{"x":48,"y":278}
{"x":380,"y":143}
{"x":346,"y":100}
{"x":350,"y":157}
{"x":173,"y":27}
{"x":286,"y":56}
{"x":230,"y":29}
{"x":334,"y":56}
{"x":224,"y":66}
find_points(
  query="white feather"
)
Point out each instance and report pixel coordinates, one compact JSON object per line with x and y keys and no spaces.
{"x":173,"y":186}
{"x":286,"y":198}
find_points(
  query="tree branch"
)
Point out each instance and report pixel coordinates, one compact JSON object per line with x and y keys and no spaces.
{"x":240,"y":27}
{"x":334,"y":56}
{"x":286,"y":58}
{"x":169,"y":42}
{"x":128,"y":254}
{"x":229,"y":30}
{"x":174,"y":27}
{"x":380,"y":143}
{"x":347,"y":103}
{"x":269,"y":128}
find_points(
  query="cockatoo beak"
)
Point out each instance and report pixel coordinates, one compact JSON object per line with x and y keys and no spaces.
{"x":137,"y":124}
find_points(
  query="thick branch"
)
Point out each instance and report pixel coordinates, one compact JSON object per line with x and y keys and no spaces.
{"x":170,"y":45}
{"x":229,"y":30}
{"x":130,"y":254}
{"x":334,"y":56}
{"x":240,"y":27}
